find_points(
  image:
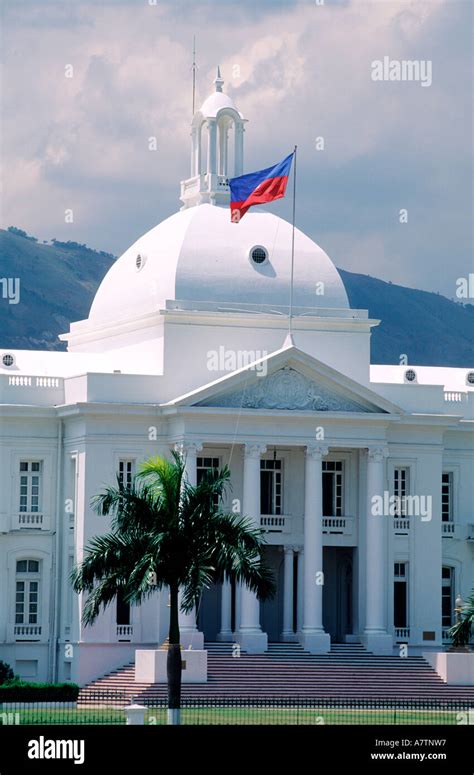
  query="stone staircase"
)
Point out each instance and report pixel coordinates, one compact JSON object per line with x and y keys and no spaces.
{"x":285,"y":670}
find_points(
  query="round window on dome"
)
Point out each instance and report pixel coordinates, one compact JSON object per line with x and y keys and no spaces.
{"x":8,"y":360}
{"x":470,"y":378}
{"x":140,"y":261}
{"x":258,"y":255}
{"x":410,"y":375}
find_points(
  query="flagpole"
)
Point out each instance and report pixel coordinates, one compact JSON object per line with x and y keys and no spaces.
{"x":290,"y":314}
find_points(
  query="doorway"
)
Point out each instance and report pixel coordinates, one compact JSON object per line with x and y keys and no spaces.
{"x":338,"y":592}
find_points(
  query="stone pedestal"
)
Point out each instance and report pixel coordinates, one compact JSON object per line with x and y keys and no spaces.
{"x":453,"y":667}
{"x":135,"y":715}
{"x":150,"y":666}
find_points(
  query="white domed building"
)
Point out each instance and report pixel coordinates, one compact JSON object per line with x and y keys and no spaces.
{"x":186,"y":346}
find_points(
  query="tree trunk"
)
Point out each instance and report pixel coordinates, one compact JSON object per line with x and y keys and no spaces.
{"x":173,"y":663}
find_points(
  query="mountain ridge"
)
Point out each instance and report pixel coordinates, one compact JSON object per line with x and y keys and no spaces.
{"x":58,"y":281}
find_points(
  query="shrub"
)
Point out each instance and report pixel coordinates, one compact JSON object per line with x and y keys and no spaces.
{"x":17,"y":690}
{"x":6,"y":673}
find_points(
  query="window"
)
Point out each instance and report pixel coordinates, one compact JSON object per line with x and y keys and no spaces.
{"x":332,"y":488}
{"x":400,"y":594}
{"x":27,"y":592}
{"x":401,"y":477}
{"x":270,"y":487}
{"x":258,"y":254}
{"x":447,"y":497}
{"x":30,"y":486}
{"x":447,"y":596}
{"x":125,"y":473}
{"x":204,"y":464}
{"x":123,"y":609}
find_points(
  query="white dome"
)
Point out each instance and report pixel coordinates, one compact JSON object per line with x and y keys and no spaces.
{"x":199,"y":256}
{"x":216,"y":102}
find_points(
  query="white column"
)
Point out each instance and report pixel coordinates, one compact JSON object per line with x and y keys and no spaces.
{"x":239,"y":148}
{"x":223,"y":139}
{"x":288,"y":589}
{"x":190,"y":635}
{"x":314,"y":638}
{"x":225,"y":633}
{"x":211,"y":146}
{"x":300,"y":588}
{"x":376,"y":637}
{"x":250,"y":635}
{"x":193,"y":151}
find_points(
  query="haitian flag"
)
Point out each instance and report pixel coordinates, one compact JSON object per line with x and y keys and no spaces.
{"x":256,"y":188}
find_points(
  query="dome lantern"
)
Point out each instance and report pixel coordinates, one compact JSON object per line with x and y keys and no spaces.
{"x":223,"y":155}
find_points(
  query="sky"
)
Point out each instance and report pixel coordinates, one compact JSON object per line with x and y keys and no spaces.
{"x":386,"y":192}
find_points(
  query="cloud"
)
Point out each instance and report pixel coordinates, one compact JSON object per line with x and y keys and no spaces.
{"x":297,"y":70}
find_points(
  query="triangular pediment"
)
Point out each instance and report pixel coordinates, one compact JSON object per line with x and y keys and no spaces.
{"x":287,"y":388}
{"x":290,"y":380}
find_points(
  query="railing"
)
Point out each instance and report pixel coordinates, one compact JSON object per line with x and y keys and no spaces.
{"x":447,"y":528}
{"x":401,"y":525}
{"x":456,"y":530}
{"x":275,"y":523}
{"x":124,"y":631}
{"x":48,"y":382}
{"x":27,"y":631}
{"x":454,"y":395}
{"x":109,"y":707}
{"x":402,"y":633}
{"x":28,"y":521}
{"x":338,"y":525}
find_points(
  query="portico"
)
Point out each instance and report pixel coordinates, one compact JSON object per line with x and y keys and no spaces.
{"x":303,"y":543}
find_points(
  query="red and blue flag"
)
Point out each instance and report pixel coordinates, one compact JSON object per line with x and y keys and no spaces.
{"x":257,"y":188}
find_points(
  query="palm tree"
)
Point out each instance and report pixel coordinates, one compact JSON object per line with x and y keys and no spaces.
{"x":460,"y":633}
{"x":168,"y":533}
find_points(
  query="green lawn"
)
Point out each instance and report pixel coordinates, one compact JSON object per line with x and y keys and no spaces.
{"x":236,"y":715}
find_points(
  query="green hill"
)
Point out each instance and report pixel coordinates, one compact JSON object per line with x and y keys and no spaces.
{"x":58,"y":282}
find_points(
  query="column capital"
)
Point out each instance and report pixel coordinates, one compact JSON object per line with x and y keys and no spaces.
{"x":289,"y":549}
{"x":316,"y":451}
{"x":184,"y":447}
{"x":253,"y":451}
{"x":377,"y":453}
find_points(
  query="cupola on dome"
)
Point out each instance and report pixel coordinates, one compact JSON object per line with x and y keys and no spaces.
{"x":199,"y":259}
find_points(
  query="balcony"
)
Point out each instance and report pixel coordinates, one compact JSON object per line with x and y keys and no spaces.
{"x":29,"y":521}
{"x":401,"y":526}
{"x":124,"y":632}
{"x":402,"y":634}
{"x":275,"y":523}
{"x":455,"y":530}
{"x":338,"y":525}
{"x":445,"y":635}
{"x":27,"y":632}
